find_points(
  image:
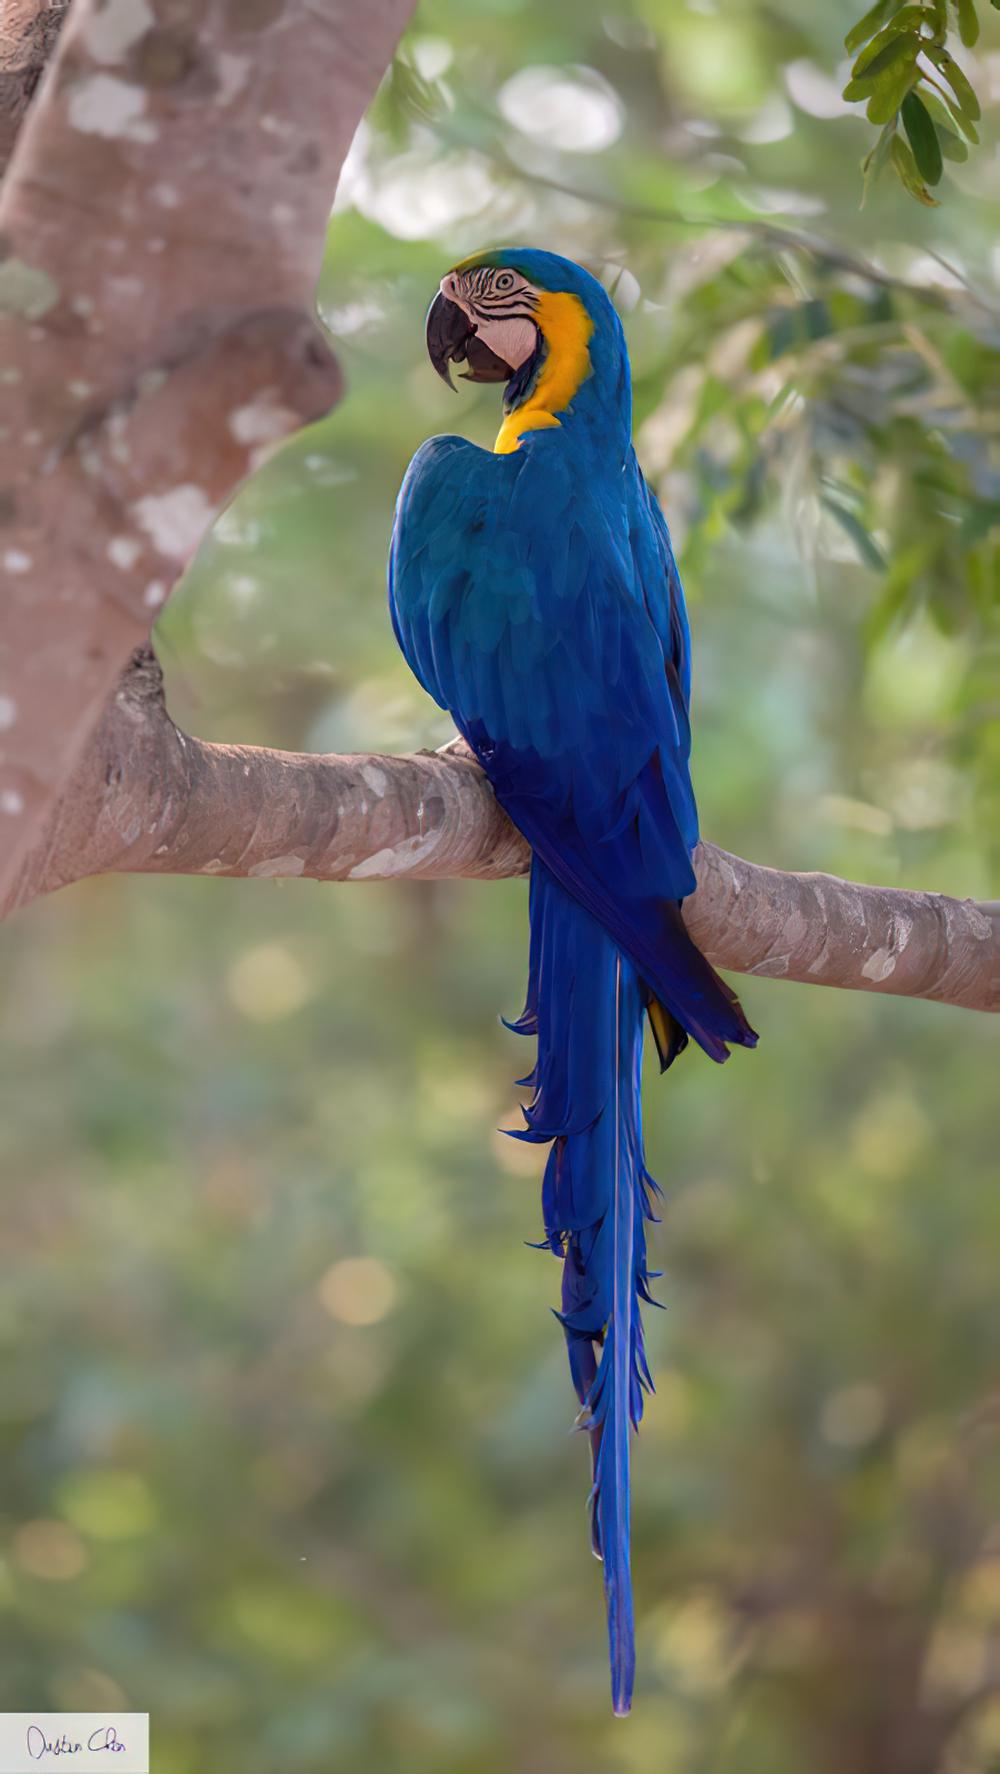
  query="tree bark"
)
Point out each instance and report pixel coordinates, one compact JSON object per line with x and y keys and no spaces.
{"x":162,"y":219}
{"x":148,"y":799}
{"x":28,"y":31}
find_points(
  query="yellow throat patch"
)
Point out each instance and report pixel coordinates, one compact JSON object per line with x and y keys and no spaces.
{"x":566,"y":327}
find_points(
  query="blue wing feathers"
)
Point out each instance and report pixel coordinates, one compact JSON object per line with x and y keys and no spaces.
{"x":554,"y":630}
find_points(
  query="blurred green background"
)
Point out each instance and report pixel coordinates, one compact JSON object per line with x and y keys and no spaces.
{"x":285,"y":1441}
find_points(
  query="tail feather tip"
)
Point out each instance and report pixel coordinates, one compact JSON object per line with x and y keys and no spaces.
{"x":621,"y":1691}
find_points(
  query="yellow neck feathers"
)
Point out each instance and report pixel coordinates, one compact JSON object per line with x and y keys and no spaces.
{"x":566,"y":327}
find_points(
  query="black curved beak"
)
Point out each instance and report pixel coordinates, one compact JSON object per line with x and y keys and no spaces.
{"x":452,"y":338}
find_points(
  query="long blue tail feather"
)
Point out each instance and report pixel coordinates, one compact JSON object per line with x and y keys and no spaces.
{"x":586,"y":1006}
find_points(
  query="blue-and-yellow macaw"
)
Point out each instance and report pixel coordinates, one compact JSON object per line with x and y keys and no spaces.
{"x":535,"y":595}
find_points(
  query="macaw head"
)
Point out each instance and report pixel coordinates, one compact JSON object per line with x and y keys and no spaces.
{"x":542,"y":326}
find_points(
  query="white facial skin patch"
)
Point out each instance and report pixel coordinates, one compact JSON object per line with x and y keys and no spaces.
{"x":511,"y":336}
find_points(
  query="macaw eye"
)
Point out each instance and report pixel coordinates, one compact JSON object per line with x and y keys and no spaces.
{"x":505,"y":281}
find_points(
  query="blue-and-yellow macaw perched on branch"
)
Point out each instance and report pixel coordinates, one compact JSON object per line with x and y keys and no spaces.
{"x":535,"y":595}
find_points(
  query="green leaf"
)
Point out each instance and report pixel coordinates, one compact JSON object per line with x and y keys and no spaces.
{"x":863,"y":540}
{"x":968,"y":22}
{"x":980,"y":521}
{"x":952,"y":146}
{"x":876,"y":159}
{"x":919,"y":127}
{"x":861,"y":32}
{"x":906,"y":22}
{"x":906,"y":167}
{"x":946,"y":65}
{"x":935,"y":95}
{"x":900,"y":590}
{"x":937,"y":108}
{"x":783,"y":331}
{"x":864,"y":80}
{"x":405,"y":98}
{"x":816,"y":319}
{"x":891,"y":89}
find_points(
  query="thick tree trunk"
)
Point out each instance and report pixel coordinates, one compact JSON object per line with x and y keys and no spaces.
{"x":163,"y":218}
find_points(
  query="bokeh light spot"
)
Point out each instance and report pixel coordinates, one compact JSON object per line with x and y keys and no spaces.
{"x":50,"y":1550}
{"x":358,"y":1290}
{"x":815,"y":91}
{"x":569,"y":108}
{"x":108,"y":1505}
{"x":267,"y":983}
{"x":852,"y":1416}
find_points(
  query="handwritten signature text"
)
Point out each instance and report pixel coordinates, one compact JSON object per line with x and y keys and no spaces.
{"x":105,"y":1739}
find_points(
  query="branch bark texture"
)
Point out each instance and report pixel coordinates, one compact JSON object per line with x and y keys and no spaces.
{"x":162,"y":219}
{"x":28,"y":31}
{"x":149,"y":799}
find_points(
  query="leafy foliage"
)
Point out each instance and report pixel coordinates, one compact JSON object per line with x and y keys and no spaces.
{"x":859,"y":406}
{"x":906,"y":77}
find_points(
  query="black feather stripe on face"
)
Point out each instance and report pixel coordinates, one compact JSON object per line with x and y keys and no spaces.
{"x":495,"y":293}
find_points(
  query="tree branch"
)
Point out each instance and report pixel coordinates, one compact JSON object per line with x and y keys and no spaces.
{"x":162,"y":219}
{"x":148,"y":799}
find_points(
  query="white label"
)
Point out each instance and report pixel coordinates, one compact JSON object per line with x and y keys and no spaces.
{"x":100,"y":1742}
